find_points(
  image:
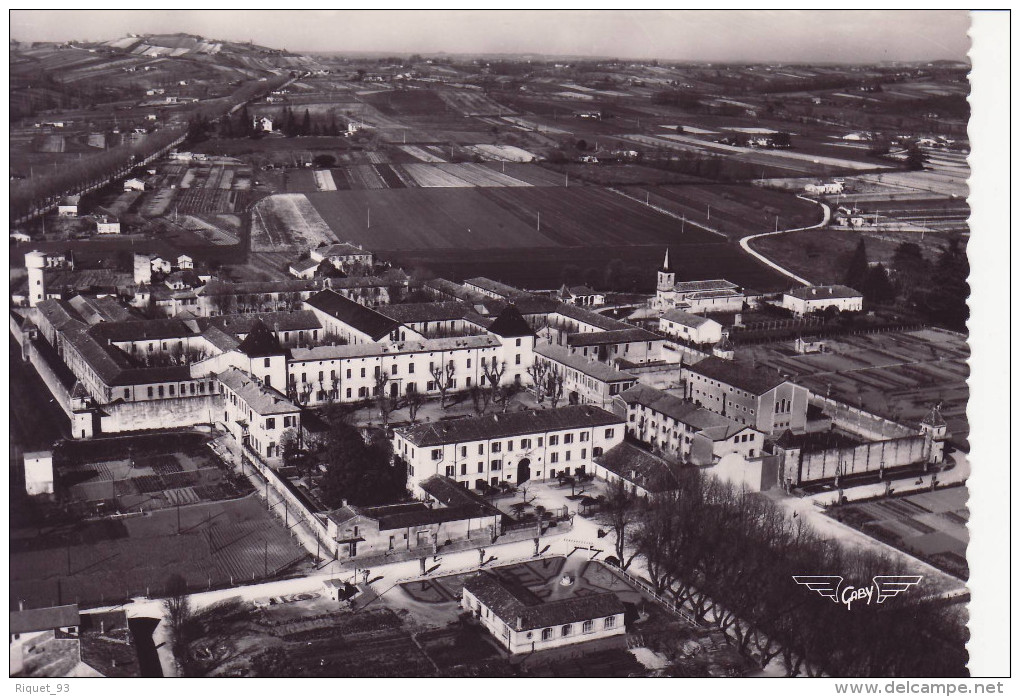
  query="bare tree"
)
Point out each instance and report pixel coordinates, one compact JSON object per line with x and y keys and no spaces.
{"x":179,"y":613}
{"x":479,"y":398}
{"x":622,"y":511}
{"x":538,"y":371}
{"x":382,"y":400}
{"x":415,"y":400}
{"x":443,"y":376}
{"x":507,"y":393}
{"x":554,"y":385}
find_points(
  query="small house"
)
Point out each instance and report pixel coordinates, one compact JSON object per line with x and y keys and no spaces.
{"x":134,"y":185}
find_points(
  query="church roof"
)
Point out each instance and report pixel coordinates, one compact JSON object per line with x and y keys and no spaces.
{"x":934,"y":418}
{"x":665,"y":263}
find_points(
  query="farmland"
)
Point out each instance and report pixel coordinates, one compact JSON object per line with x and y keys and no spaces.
{"x":899,"y":375}
{"x":287,"y":222}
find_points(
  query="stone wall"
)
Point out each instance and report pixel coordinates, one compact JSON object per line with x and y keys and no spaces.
{"x":867,"y":457}
{"x":160,"y":413}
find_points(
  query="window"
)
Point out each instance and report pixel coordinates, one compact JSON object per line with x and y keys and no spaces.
{"x":588,"y":627}
{"x":517,"y":358}
{"x":469,"y":363}
{"x":450,"y":471}
{"x":127,"y":393}
{"x":547,"y":634}
{"x":496,"y":465}
{"x":393,"y":369}
{"x":362,"y":372}
{"x":584,"y":453}
{"x":348,"y":393}
{"x":270,"y":424}
{"x":410,"y":368}
{"x":554,"y":440}
{"x":463,"y":451}
{"x":481,"y":467}
{"x":566,"y":457}
{"x":595,"y":452}
{"x":348,"y":373}
{"x":584,"y":436}
{"x":609,"y":433}
{"x":609,"y":623}
{"x":568,"y":438}
{"x":566,"y":629}
{"x":555,"y":457}
{"x":540,"y":441}
{"x":518,"y":342}
{"x":481,"y":449}
{"x":265,"y":363}
{"x":510,"y":446}
{"x":497,"y":447}
{"x":463,"y":468}
{"x":467,"y":382}
{"x":437,"y":453}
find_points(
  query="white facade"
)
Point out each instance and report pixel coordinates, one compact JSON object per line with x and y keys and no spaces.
{"x":134,"y":185}
{"x":39,"y":473}
{"x":35,"y":262}
{"x":690,"y":327}
{"x":802,"y":301}
{"x":544,"y":451}
{"x":107,"y":226}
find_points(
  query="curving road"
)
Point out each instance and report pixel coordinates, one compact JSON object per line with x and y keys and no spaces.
{"x":826,"y":211}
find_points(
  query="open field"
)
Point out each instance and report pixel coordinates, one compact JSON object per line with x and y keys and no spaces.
{"x":930,"y":525}
{"x":110,"y":560}
{"x":899,"y":375}
{"x":287,"y":222}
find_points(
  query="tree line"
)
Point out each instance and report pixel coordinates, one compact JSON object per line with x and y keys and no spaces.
{"x":729,"y":556}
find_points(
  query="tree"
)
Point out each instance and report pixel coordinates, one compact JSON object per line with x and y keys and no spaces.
{"x":179,"y":613}
{"x":910,"y":270}
{"x":554,"y":385}
{"x":442,"y":375}
{"x":306,"y":124}
{"x":323,"y":161}
{"x":947,"y":300}
{"x":915,"y":158}
{"x":538,"y":371}
{"x":415,"y":400}
{"x":620,"y":507}
{"x":876,"y":287}
{"x":507,"y":392}
{"x":581,"y":145}
{"x":479,"y":398}
{"x":858,"y":268}
{"x":359,"y":471}
{"x":382,"y":400}
{"x":289,"y":445}
{"x":493,"y":373}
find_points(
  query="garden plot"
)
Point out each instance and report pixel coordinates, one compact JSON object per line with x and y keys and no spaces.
{"x":431,"y":176}
{"x":479,"y":175}
{"x":285,"y":221}
{"x":505,"y":153}
{"x":421,"y":154}
{"x":324,"y":180}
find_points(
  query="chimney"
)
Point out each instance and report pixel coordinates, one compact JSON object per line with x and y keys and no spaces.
{"x":520,"y":623}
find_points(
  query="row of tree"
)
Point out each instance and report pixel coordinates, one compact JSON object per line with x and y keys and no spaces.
{"x":729,"y":557}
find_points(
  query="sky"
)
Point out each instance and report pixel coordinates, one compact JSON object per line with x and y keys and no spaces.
{"x":866,"y":36}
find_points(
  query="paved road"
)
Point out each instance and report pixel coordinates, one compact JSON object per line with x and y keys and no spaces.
{"x":826,"y":214}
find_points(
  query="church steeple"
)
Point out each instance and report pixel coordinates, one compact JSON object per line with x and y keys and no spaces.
{"x":666,"y":278}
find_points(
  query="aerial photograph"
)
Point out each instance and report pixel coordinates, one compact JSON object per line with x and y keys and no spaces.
{"x":492,"y":344}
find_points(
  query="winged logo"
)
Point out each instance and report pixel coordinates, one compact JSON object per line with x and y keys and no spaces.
{"x":889,"y":586}
{"x":825,"y":586}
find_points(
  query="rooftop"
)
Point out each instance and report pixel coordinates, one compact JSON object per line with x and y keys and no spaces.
{"x":757,"y":380}
{"x":341,"y":351}
{"x":297,"y":320}
{"x":823,"y":292}
{"x":363,"y":319}
{"x":342,"y":249}
{"x":638,"y":466}
{"x":687,"y":319}
{"x":702,"y":286}
{"x":612,"y":336}
{"x":141,"y":330}
{"x":44,"y":618}
{"x":260,"y":342}
{"x":510,"y":323}
{"x":501,"y":289}
{"x":263,"y":400}
{"x":516,"y":423}
{"x":522,"y":610}
{"x":580,"y":314}
{"x":426,"y":312}
{"x":603,"y":372}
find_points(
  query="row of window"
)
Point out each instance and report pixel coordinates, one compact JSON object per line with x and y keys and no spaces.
{"x":497,"y":446}
{"x":587,"y":627}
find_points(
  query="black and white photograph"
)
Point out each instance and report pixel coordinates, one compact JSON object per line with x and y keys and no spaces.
{"x":504,"y":343}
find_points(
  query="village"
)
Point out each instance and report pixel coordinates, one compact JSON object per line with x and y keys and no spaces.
{"x":435,"y":368}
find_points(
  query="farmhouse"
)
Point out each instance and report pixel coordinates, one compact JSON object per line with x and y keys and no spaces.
{"x":343,"y":256}
{"x":524,"y":623}
{"x":582,"y":295}
{"x":134,"y":185}
{"x":514,"y":447}
{"x":68,"y":207}
{"x":759,"y":397}
{"x":448,"y":513}
{"x":681,"y":428}
{"x":304,"y":268}
{"x":687,"y":326}
{"x":803,"y":301}
{"x":39,"y":473}
{"x":107,"y":225}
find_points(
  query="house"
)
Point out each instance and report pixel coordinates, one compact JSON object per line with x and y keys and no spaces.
{"x":255,"y":413}
{"x":185,"y":262}
{"x":264,"y":124}
{"x":339,"y":591}
{"x":582,"y":295}
{"x":31,"y":631}
{"x":755,"y":396}
{"x":159,"y":264}
{"x":68,"y":207}
{"x":810,"y":344}
{"x":39,"y":472}
{"x":354,"y":322}
{"x":448,"y":513}
{"x":808,"y":299}
{"x":107,"y":225}
{"x":513,"y":447}
{"x":181,"y":156}
{"x":683,"y":429}
{"x":689,"y":327}
{"x":523,"y":622}
{"x":642,"y":473}
{"x":819,"y":188}
{"x":19,"y":236}
{"x":343,"y":256}
{"x":134,"y":185}
{"x":305,"y":268}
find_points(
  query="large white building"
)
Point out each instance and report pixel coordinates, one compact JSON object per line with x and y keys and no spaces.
{"x":513,"y":447}
{"x":687,"y":326}
{"x":717,"y":295}
{"x":803,"y":301}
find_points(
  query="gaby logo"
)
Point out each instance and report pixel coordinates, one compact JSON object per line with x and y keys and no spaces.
{"x":881,"y":588}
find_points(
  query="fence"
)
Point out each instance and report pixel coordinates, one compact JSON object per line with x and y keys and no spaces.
{"x":670,"y":605}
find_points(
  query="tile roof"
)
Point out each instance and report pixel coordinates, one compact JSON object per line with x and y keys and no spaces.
{"x":426,"y":312}
{"x":687,"y":319}
{"x":218,"y":287}
{"x":41,"y":619}
{"x":638,"y":466}
{"x":220,"y":339}
{"x":510,"y":323}
{"x":303,"y":265}
{"x":60,"y":314}
{"x":260,"y":342}
{"x":612,"y":336}
{"x":361,"y":318}
{"x":659,"y":401}
{"x":104,"y":309}
{"x":502,"y":289}
{"x":141,"y":330}
{"x":598,"y":370}
{"x":823,"y":292}
{"x":515,"y":423}
{"x":113,"y":366}
{"x":757,"y":380}
{"x":296,"y":320}
{"x":341,"y":351}
{"x":702,"y":286}
{"x":580,"y":314}
{"x":263,"y":400}
{"x":342,"y":249}
{"x":450,"y":494}
{"x":512,"y":603}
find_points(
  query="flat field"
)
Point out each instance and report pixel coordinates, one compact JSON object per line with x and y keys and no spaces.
{"x":287,"y":222}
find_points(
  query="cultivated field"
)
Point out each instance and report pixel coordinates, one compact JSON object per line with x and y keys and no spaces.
{"x":899,"y":375}
{"x":109,"y":561}
{"x":287,"y":222}
{"x":930,"y":525}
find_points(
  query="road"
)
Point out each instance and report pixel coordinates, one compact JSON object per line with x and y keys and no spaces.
{"x":744,"y":242}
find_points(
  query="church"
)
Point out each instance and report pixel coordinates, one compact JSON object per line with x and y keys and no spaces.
{"x":717,"y":295}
